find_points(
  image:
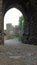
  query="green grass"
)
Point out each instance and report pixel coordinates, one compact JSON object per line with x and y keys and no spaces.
{"x":15,"y":36}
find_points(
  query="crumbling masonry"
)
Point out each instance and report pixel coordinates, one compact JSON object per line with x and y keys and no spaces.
{"x":29,"y":10}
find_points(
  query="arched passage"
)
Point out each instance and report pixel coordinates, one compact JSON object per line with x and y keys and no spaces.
{"x":12,"y":20}
{"x":29,"y":8}
{"x":25,"y":8}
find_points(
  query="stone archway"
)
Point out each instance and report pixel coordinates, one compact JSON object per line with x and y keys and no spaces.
{"x":29,"y":10}
{"x":26,"y":13}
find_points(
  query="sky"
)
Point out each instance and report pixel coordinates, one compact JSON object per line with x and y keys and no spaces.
{"x":12,"y":16}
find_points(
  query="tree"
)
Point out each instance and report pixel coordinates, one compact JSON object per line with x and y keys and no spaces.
{"x":21,"y":20}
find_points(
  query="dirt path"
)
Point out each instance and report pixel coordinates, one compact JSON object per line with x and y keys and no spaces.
{"x":22,"y":54}
{"x":11,"y":42}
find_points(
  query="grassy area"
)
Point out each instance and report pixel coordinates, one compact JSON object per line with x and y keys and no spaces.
{"x":11,"y":37}
{"x":15,"y":36}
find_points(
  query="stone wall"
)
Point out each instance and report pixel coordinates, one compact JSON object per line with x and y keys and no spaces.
{"x":33,"y":23}
{"x":33,"y":26}
{"x":1,"y":24}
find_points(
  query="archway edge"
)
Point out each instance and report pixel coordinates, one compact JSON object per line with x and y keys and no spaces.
{"x":17,"y":6}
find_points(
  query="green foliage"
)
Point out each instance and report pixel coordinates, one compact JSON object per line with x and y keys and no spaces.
{"x":21,"y":20}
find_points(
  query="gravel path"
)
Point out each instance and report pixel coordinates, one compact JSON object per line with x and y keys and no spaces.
{"x":22,"y":54}
{"x":12,"y":42}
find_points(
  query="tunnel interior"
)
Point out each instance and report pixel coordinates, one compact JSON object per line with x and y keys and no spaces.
{"x":25,"y":8}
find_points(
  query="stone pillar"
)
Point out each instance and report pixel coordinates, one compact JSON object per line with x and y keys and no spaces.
{"x":1,"y":24}
{"x":33,"y":32}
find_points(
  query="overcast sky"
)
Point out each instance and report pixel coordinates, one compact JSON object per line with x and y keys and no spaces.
{"x":12,"y":16}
